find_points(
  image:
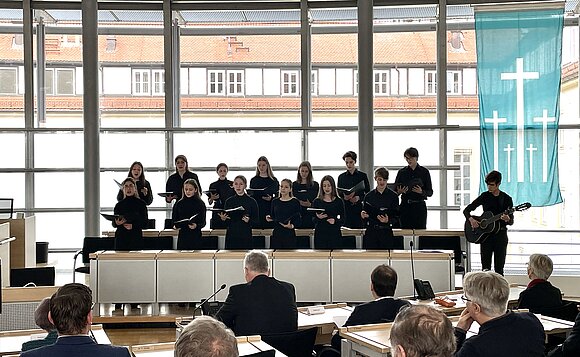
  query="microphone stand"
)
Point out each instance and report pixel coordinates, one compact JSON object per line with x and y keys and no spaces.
{"x":413,"y":267}
{"x":206,"y":300}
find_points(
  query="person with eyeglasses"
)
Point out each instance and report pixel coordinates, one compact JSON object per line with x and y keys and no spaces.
{"x":501,"y":332}
{"x":71,"y":313}
{"x":413,"y":184}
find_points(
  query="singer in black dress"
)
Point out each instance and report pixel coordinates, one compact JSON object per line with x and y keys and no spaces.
{"x":175,"y":182}
{"x":305,"y":189}
{"x":263,"y":188}
{"x":219,"y":192}
{"x":353,"y":200}
{"x":286,"y":216}
{"x":190,"y":204}
{"x":132,"y":213}
{"x":240,"y":223}
{"x":143,"y":187}
{"x":380,"y":210}
{"x":327,"y":233}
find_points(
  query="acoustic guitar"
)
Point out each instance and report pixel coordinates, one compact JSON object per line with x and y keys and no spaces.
{"x":488,"y":224}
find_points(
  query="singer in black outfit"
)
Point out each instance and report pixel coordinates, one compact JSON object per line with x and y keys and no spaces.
{"x":263,"y":188}
{"x":384,"y":308}
{"x":175,"y":181}
{"x":263,"y":305}
{"x":143,"y":187}
{"x":286,"y":216}
{"x":380,"y":210}
{"x":240,"y":223}
{"x":132,"y":213}
{"x":305,"y":189}
{"x":495,"y":201}
{"x":413,"y":183}
{"x":353,"y":200}
{"x":327,"y":234}
{"x":190,"y":204}
{"x":219,"y":192}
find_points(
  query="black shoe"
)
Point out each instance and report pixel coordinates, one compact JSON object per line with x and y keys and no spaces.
{"x":118,"y":306}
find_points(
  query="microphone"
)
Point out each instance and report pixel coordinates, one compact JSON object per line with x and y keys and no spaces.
{"x":412,"y":270}
{"x":206,"y":300}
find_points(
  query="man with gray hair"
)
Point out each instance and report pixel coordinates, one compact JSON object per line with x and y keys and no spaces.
{"x":206,"y":337}
{"x":501,"y":333}
{"x":263,"y":305}
{"x":540,"y":295}
{"x":420,"y":331}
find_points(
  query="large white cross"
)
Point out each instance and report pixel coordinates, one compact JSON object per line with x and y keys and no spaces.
{"x":544,"y":120}
{"x":531,"y":150}
{"x":508,"y":149}
{"x":519,"y":75}
{"x":495,"y":120}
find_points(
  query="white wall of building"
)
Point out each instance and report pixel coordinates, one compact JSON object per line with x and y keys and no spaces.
{"x":117,"y":80}
{"x":416,"y":81}
{"x":272,"y":84}
{"x":254,"y":81}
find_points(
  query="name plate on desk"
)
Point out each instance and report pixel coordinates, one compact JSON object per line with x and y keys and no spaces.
{"x":315,"y":310}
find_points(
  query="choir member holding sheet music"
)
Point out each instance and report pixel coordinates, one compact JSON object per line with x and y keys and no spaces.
{"x":263,"y":188}
{"x":352,"y":187}
{"x":189,"y":217}
{"x":219,"y":191}
{"x":380,"y":209}
{"x":144,"y":191}
{"x":329,"y":216}
{"x":130,"y":218}
{"x":174,"y":185}
{"x":286,"y":216}
{"x":413,"y":183}
{"x":305,"y":189}
{"x":241,"y":214}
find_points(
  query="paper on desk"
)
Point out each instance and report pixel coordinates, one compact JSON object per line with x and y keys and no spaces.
{"x":340,"y":320}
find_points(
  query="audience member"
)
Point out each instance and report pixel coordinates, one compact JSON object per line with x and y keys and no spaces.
{"x":422,"y":331}
{"x":206,"y":337}
{"x":571,"y":346}
{"x":500,"y":333}
{"x":540,"y":294}
{"x":263,"y":305}
{"x":41,"y":320}
{"x":383,"y":309}
{"x":70,"y":312}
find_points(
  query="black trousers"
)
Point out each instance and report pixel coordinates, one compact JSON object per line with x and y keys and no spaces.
{"x":413,"y":215}
{"x":496,"y":246}
{"x":378,"y":238}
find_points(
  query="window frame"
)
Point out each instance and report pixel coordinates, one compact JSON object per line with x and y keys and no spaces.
{"x":217,"y":82}
{"x":293,"y":80}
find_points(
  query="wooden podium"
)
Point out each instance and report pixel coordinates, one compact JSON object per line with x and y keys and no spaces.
{"x":23,"y":249}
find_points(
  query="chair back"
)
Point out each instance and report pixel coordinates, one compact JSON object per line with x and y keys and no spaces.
{"x":293,"y":344}
{"x":567,"y":311}
{"x":94,"y":244}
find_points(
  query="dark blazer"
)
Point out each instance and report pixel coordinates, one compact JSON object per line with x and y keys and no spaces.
{"x":77,"y":346}
{"x":570,"y":347}
{"x":263,"y":306}
{"x":541,"y":296}
{"x":372,"y":312}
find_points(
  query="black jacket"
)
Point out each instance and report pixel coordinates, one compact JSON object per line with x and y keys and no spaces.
{"x":539,"y":297}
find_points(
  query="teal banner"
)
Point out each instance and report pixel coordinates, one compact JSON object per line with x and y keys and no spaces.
{"x":519,"y":56}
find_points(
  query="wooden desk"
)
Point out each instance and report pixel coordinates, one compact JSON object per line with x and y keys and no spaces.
{"x":11,"y":341}
{"x":246,"y":345}
{"x":325,"y":322}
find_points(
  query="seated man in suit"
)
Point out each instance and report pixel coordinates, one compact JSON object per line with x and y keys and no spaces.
{"x":383,"y":309}
{"x":501,"y":333}
{"x":571,"y":346}
{"x":263,"y":305}
{"x":206,"y":337}
{"x":422,"y":330}
{"x":41,"y":320}
{"x":540,"y":294}
{"x":70,"y":312}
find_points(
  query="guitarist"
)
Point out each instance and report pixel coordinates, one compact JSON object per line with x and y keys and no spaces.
{"x":495,"y":201}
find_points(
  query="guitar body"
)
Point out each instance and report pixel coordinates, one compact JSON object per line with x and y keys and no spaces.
{"x":487,"y":227}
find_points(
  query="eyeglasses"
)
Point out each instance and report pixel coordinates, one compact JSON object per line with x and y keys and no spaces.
{"x":464,"y":298}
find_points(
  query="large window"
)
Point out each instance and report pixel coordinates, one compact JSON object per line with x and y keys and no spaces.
{"x":8,"y":80}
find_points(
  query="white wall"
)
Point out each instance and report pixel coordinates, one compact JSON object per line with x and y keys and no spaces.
{"x":183,"y":80}
{"x":254,"y":81}
{"x":272,"y":84}
{"x":117,"y":80}
{"x":345,"y":81}
{"x":197,"y":81}
{"x":326,"y":81}
{"x":469,"y":81}
{"x":416,"y":81}
{"x":79,"y":80}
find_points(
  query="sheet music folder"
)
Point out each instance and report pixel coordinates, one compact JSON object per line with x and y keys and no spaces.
{"x":358,"y":187}
{"x":110,"y":217}
{"x":187,"y":220}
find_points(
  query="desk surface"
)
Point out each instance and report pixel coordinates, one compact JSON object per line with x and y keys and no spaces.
{"x":11,"y":341}
{"x":246,"y":346}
